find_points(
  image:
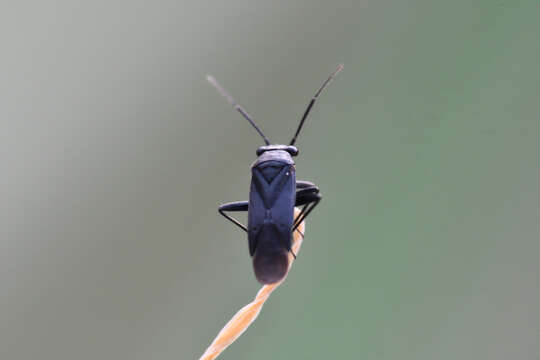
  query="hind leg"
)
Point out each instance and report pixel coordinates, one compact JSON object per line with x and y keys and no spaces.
{"x":234,"y":206}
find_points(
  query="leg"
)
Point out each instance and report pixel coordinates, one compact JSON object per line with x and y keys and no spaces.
{"x":304,"y":184}
{"x":234,"y":206}
{"x":312,"y":201}
{"x":308,"y":197}
{"x":308,"y":188}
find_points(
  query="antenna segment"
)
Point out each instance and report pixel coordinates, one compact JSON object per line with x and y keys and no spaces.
{"x":238,"y":108}
{"x":312,"y":102}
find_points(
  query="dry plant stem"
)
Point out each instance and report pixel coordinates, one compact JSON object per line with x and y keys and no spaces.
{"x":245,"y":316}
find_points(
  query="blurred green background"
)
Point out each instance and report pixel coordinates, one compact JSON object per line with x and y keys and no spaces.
{"x":115,"y":154}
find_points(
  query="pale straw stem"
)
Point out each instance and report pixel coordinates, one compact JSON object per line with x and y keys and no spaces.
{"x":245,"y":316}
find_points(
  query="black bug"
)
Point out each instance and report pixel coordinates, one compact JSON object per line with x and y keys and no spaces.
{"x":273,"y":195}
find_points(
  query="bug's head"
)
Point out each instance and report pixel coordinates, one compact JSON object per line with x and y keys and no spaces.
{"x":292,"y":150}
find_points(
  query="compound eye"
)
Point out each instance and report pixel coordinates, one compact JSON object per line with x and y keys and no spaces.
{"x":292,"y":150}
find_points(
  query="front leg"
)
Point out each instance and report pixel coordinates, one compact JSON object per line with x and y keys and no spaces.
{"x":301,"y":184}
{"x":234,"y":206}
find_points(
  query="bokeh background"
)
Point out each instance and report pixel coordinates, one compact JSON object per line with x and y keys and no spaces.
{"x":115,"y":154}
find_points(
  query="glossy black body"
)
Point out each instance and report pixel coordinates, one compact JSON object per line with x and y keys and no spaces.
{"x":272,"y":198}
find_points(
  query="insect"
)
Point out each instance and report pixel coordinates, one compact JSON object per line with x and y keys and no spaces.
{"x":273,"y":195}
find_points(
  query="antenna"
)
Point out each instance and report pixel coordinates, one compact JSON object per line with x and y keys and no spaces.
{"x":306,"y":113}
{"x":240,"y":109}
